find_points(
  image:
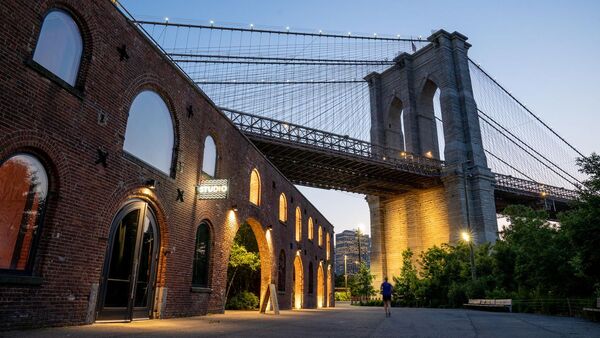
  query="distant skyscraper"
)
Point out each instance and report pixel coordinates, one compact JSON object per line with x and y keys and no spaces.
{"x":346,"y":243}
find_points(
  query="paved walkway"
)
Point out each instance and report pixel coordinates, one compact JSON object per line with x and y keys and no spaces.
{"x":342,"y":321}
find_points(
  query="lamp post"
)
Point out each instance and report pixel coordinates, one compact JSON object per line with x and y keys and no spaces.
{"x":346,"y":272}
{"x":466,"y":236}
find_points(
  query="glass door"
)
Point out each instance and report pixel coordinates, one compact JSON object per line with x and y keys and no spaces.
{"x":130,"y":264}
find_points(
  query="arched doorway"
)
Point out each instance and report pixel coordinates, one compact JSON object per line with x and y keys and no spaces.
{"x":320,"y":286}
{"x":252,"y":228}
{"x":298,"y":282}
{"x":127,"y":291}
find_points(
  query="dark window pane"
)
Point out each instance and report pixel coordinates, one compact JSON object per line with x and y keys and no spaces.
{"x":144,"y":267}
{"x":209,"y":162}
{"x":201,"y":256}
{"x":310,"y":277}
{"x":281,"y":272}
{"x":23,"y":191}
{"x":59,"y":46}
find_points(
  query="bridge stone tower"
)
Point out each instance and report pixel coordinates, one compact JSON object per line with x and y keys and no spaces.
{"x":464,"y":198}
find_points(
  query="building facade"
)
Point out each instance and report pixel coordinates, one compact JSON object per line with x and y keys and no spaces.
{"x":347,"y":252}
{"x":122,"y":185}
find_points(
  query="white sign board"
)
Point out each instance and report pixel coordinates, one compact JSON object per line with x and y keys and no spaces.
{"x":213,"y":189}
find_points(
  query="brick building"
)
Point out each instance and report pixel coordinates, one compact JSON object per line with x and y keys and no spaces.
{"x":95,"y":226}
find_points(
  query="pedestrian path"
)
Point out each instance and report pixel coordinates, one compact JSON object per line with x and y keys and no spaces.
{"x":342,"y":321}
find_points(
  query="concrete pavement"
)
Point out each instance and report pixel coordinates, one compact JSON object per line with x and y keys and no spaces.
{"x":342,"y":321}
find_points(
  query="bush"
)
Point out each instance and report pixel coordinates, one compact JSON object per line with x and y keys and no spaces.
{"x":243,"y":301}
{"x":372,"y":302}
{"x":342,"y":297}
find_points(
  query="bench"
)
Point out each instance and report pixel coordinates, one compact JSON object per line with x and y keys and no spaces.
{"x":490,"y":304}
{"x":592,"y":312}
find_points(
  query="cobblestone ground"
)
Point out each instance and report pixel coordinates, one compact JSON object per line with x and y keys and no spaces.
{"x":343,"y":321}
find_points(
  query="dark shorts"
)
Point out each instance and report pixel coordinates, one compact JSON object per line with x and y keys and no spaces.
{"x":387,"y":298}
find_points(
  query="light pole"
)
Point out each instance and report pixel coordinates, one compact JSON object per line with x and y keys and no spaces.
{"x":346,"y":272}
{"x":467,"y":238}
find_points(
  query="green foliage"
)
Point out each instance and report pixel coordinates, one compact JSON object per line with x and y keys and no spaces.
{"x":244,"y":264}
{"x":536,"y":263}
{"x":362,"y":283}
{"x":371,"y":302}
{"x":241,"y":257}
{"x":342,"y":296}
{"x":244,"y":300}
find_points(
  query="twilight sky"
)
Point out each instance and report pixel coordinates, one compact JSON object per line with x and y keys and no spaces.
{"x":546,"y":52}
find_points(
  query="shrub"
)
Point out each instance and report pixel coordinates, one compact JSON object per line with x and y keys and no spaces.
{"x":243,"y":301}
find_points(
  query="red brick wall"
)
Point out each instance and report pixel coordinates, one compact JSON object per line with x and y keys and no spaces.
{"x":40,"y":116}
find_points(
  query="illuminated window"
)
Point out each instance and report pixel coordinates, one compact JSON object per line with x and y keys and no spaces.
{"x":209,"y":161}
{"x":59,"y":46}
{"x":23,"y":192}
{"x":283,"y":209}
{"x":149,"y":134}
{"x":310,"y":229}
{"x":255,"y":187}
{"x":281,"y":272}
{"x":327,"y":240}
{"x":298,"y":224}
{"x":320,"y":236}
{"x":201,"y":256}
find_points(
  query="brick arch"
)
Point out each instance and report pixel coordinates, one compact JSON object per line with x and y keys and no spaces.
{"x":320,"y":285}
{"x":87,"y":28}
{"x":265,"y":249}
{"x":46,"y":149}
{"x":129,"y":190}
{"x":298,"y":287}
{"x":150,"y":81}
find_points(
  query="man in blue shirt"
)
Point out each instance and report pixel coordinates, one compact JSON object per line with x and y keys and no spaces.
{"x":386,"y":291}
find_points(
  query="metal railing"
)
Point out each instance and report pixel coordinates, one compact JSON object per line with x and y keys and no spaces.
{"x":518,"y":185}
{"x":344,"y":145}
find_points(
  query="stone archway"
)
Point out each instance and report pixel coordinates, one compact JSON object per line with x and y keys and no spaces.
{"x":329,"y":286}
{"x":320,"y":286}
{"x":298,"y":282}
{"x":265,"y":254}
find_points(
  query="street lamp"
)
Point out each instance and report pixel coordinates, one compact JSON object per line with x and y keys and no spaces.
{"x":346,"y":272}
{"x":466,"y":236}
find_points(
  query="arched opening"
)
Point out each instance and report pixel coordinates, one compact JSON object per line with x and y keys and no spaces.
{"x":298,"y":224}
{"x":201,"y":256}
{"x":310,"y":228}
{"x":320,"y":286}
{"x":394,"y":132}
{"x":209,"y":157}
{"x":149,"y":134}
{"x":59,"y":46}
{"x":249,"y":268}
{"x":283,"y":208}
{"x":431,"y":124}
{"x":320,"y":236}
{"x":311,"y":277}
{"x":327,"y":245}
{"x":298,"y":293}
{"x":254,"y":187}
{"x":130,"y":264}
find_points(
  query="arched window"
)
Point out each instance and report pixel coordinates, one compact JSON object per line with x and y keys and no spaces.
{"x":149,"y":135}
{"x":255,"y":187}
{"x":298,"y":224}
{"x":310,"y":229}
{"x":209,"y":161}
{"x":281,"y":272}
{"x":59,"y":46}
{"x":310,"y":278}
{"x":320,"y":236}
{"x":201,"y":256}
{"x":23,"y":192}
{"x":283,"y":211}
{"x":327,"y":244}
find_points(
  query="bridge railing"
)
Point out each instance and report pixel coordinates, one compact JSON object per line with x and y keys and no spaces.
{"x":515,"y":184}
{"x":343,"y":144}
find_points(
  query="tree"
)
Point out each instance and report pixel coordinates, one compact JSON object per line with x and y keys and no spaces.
{"x":362,"y":283}
{"x":406,"y":285}
{"x":582,"y":224}
{"x":240,"y":258}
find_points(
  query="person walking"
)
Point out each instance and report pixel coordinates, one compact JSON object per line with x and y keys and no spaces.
{"x":386,"y":292}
